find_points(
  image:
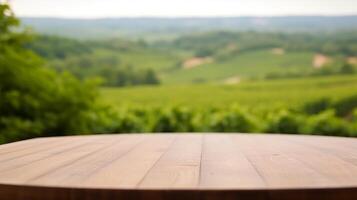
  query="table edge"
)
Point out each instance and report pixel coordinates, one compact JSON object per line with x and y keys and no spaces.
{"x":20,"y":192}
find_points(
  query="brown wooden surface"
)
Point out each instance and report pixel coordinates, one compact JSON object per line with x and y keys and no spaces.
{"x":179,"y":166}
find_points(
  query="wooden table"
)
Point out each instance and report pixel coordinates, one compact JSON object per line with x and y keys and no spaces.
{"x":179,"y":166}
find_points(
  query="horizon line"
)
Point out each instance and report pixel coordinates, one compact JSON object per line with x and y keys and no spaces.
{"x":188,"y":17}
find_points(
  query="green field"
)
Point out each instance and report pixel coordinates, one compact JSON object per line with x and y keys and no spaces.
{"x":218,"y":57}
{"x":167,"y":64}
{"x":264,"y":93}
{"x":143,"y":58}
{"x":250,"y":64}
{"x":254,"y":64}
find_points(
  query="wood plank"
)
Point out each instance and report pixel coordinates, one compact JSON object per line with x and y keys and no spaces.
{"x":32,"y":171}
{"x":31,"y":143}
{"x":129,"y":170}
{"x":225,"y":166}
{"x":277,"y":168}
{"x":20,"y":145}
{"x":27,"y":159}
{"x":338,"y":148}
{"x":334,"y":141}
{"x":179,"y":167}
{"x":336,"y":169}
{"x":34,"y":148}
{"x":78,"y":170}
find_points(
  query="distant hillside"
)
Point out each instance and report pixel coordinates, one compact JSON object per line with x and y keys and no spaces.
{"x":154,"y":28}
{"x":224,"y":57}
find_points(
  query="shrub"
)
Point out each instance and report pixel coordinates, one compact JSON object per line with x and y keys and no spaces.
{"x":284,"y":122}
{"x":174,"y":119}
{"x":354,"y":124}
{"x":354,"y":115}
{"x":317,"y":106}
{"x":347,"y":69}
{"x":234,"y":120}
{"x":128,"y":123}
{"x":326,"y":123}
{"x":345,"y":106}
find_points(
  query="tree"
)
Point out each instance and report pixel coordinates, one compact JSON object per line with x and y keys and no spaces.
{"x":7,"y":22}
{"x":34,"y":100}
{"x":347,"y":69}
{"x":151,"y":78}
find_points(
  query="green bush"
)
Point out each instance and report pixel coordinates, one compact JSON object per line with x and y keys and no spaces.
{"x":354,"y":115}
{"x":345,"y":106}
{"x":175,"y":119}
{"x":317,"y":106}
{"x":347,"y":69}
{"x":53,"y":47}
{"x":284,"y":122}
{"x":354,"y":124}
{"x":233,"y":120}
{"x":128,"y":123}
{"x":326,"y":123}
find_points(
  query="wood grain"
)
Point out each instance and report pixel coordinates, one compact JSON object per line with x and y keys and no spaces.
{"x":225,"y":166}
{"x":180,"y":166}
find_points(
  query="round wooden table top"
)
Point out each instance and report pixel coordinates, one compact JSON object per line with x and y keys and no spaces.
{"x":179,"y":166}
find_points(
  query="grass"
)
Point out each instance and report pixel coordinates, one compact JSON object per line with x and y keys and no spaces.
{"x":143,"y":58}
{"x":250,"y":64}
{"x":264,"y":94}
{"x":149,"y":59}
{"x":245,"y":65}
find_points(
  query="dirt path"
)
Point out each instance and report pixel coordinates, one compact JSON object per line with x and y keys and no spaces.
{"x":195,"y":62}
{"x":352,"y":60}
{"x":232,"y":80}
{"x":320,"y":60}
{"x":278,"y":51}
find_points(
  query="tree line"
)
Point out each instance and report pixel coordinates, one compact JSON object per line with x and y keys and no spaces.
{"x":80,"y":59}
{"x":214,"y":43}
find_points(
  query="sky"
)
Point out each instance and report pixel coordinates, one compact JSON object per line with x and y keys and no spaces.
{"x":180,"y":8}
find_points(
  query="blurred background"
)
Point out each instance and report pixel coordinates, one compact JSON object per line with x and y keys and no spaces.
{"x":112,"y":66}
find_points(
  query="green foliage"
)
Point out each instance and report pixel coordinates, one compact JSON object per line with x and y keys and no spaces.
{"x":284,"y":122}
{"x":93,"y":59}
{"x":327,"y":123}
{"x":127,"y":122}
{"x":267,"y":106}
{"x":232,"y":54}
{"x":7,"y":22}
{"x":173,"y":119}
{"x":354,"y":115}
{"x":149,"y":77}
{"x":346,"y":106}
{"x":317,"y":106}
{"x":234,"y":120}
{"x":230,"y":119}
{"x":245,"y":65}
{"x":251,"y":55}
{"x":347,"y":69}
{"x":36,"y":101}
{"x":327,"y":70}
{"x":52,"y":47}
{"x":328,"y":43}
{"x":204,"y":52}
{"x":126,"y":76}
